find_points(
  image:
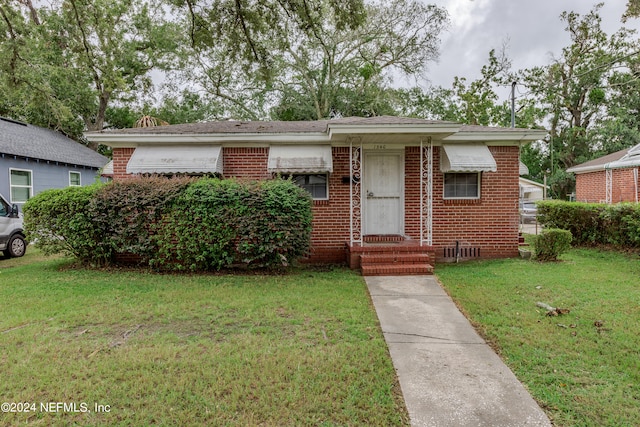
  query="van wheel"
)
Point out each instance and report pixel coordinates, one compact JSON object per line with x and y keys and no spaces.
{"x":17,"y":246}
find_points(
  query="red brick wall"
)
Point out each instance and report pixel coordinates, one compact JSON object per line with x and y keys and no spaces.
{"x":246,"y":162}
{"x":490,"y":223}
{"x":412,"y":204}
{"x":331,"y":220}
{"x":623,"y":186}
{"x":592,"y":186}
{"x":121,"y":157}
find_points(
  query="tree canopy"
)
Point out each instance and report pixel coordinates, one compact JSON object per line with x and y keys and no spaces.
{"x":78,"y":65}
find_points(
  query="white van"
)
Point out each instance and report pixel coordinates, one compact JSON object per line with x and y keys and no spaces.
{"x":12,"y":241}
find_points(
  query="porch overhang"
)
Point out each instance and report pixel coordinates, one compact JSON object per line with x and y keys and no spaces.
{"x":467,"y":158}
{"x":176,"y":159}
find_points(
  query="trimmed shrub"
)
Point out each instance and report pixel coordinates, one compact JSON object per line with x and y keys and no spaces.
{"x":217,"y":223}
{"x":60,"y":221}
{"x":129,"y":212}
{"x":277,"y":228}
{"x":198,"y":232}
{"x":551,"y":243}
{"x":581,"y":219}
{"x":593,"y":223}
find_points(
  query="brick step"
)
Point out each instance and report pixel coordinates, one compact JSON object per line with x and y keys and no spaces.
{"x":396,"y":269}
{"x":391,"y":258}
{"x":521,"y":241}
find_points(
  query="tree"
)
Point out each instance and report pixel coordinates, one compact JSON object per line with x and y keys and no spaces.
{"x":67,"y":62}
{"x":474,"y":103}
{"x":619,"y":128}
{"x":573,"y":91}
{"x":184,"y":107}
{"x":632,"y":11}
{"x":34,"y":84}
{"x":310,"y":59}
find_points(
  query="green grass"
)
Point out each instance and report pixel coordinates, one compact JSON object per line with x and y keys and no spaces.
{"x":297,"y":349}
{"x":583,"y":367}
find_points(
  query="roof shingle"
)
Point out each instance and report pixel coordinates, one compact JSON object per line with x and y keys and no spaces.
{"x":21,"y":139}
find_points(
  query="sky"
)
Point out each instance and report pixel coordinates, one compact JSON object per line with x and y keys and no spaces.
{"x":532,"y":29}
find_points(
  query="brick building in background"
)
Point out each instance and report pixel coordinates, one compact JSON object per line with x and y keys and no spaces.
{"x":390,"y":195}
{"x":609,"y":179}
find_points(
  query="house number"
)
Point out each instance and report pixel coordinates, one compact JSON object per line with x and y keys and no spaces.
{"x":380,"y":147}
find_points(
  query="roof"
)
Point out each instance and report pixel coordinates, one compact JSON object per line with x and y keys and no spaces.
{"x":529,"y":183}
{"x":627,"y":157}
{"x":235,"y":127}
{"x":336,"y":131}
{"x":24,"y":140}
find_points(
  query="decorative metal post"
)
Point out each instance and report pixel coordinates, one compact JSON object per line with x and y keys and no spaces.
{"x":355,"y":190}
{"x":426,"y":192}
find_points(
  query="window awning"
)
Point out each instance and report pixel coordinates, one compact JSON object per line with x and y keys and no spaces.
{"x":107,"y":170}
{"x":176,"y":159}
{"x":300,"y":159}
{"x":467,"y":158}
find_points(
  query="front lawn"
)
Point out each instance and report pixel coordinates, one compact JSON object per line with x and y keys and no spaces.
{"x":582,"y":367}
{"x":149,"y":349}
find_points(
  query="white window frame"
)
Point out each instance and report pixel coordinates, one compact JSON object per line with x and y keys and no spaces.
{"x":11,"y":185}
{"x":326,"y":174}
{"x":79,"y":179}
{"x":478,"y":183}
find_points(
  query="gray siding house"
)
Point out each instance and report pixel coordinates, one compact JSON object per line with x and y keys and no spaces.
{"x":33,"y":159}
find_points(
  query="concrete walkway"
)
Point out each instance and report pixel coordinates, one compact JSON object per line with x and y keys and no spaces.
{"x":449,"y":376}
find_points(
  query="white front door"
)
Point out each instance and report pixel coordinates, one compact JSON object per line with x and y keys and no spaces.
{"x":383,"y":193}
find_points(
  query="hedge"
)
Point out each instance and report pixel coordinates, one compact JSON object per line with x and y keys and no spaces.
{"x":61,"y":221}
{"x":262,"y":224}
{"x":593,"y":223}
{"x":128,"y":212}
{"x":175,"y":224}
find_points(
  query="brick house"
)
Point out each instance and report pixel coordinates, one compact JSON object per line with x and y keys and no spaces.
{"x":609,"y":179}
{"x":391,"y":194}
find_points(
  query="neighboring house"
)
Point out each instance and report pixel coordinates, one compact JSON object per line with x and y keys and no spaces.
{"x":33,"y":159}
{"x":609,"y":179}
{"x":389,"y":192}
{"x":530,"y":191}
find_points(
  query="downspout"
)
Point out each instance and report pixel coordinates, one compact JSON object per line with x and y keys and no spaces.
{"x":635,"y":181}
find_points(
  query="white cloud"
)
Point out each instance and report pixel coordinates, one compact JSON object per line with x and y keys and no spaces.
{"x":532,"y":28}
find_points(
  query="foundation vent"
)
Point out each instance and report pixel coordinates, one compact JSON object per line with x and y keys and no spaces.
{"x":459,"y":252}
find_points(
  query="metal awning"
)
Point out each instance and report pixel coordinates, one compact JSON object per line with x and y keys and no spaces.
{"x":467,"y":158}
{"x":176,"y":159}
{"x":629,"y":160}
{"x":107,"y":170}
{"x":300,"y":159}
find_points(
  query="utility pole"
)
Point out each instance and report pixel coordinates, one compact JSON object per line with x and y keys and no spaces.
{"x":513,"y":104}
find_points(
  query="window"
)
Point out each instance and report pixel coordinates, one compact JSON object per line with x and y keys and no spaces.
{"x":21,"y":185}
{"x":462,"y":185}
{"x":4,"y":208}
{"x":74,"y":179}
{"x":315,"y":184}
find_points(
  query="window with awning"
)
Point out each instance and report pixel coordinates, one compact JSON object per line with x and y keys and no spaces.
{"x":194,"y":159}
{"x":466,"y":158}
{"x":308,"y":159}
